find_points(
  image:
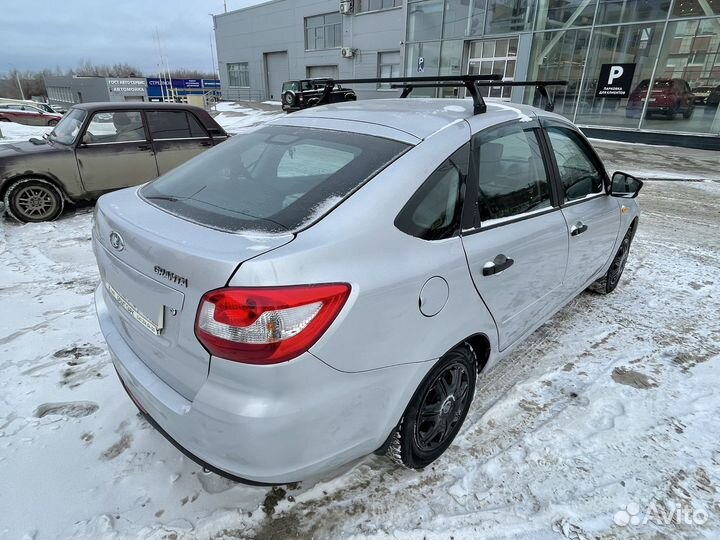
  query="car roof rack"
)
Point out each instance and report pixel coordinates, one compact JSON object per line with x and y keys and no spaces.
{"x":472,"y":83}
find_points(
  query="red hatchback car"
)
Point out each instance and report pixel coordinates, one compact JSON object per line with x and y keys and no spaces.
{"x":28,"y":115}
{"x":668,"y":97}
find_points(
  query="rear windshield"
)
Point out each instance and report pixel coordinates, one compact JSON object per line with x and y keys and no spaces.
{"x":274,"y":179}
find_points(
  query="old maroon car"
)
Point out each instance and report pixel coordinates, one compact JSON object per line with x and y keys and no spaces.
{"x":30,"y":115}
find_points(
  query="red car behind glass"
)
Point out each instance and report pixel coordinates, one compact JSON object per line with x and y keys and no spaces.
{"x":28,"y":115}
{"x":668,"y":97}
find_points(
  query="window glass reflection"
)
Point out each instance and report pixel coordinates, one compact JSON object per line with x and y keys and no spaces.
{"x":686,"y":90}
{"x":554,"y":14}
{"x":638,"y":45}
{"x":618,"y":11}
{"x":425,"y":20}
{"x":510,"y":16}
{"x":464,"y":18}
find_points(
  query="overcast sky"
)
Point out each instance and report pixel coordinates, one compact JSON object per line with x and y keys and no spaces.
{"x":48,"y":33}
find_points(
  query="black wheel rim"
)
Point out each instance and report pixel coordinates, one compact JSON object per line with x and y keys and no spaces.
{"x":618,"y":264}
{"x":35,"y":202}
{"x":442,"y":407}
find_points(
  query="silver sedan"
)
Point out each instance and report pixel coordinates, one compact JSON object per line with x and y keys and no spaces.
{"x":330,"y":284}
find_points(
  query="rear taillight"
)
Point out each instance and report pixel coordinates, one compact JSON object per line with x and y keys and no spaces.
{"x":267,"y":325}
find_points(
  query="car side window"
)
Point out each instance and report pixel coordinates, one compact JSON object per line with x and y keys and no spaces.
{"x":511,"y":174}
{"x":433,"y":212}
{"x":174,"y":125}
{"x":578,"y":173}
{"x":112,"y":127}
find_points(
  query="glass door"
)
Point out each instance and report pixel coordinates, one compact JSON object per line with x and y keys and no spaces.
{"x":494,"y":57}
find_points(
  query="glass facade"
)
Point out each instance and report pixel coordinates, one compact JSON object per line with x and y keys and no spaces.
{"x":631,"y":64}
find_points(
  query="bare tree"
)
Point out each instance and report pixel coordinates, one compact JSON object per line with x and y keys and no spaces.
{"x":184,"y":73}
{"x":86,"y":68}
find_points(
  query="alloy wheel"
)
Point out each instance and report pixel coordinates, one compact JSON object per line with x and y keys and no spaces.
{"x":618,"y":264}
{"x":35,"y":202}
{"x":442,"y":407}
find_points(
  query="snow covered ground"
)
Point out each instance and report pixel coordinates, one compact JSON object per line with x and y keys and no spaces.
{"x":599,"y":426}
{"x":12,"y":132}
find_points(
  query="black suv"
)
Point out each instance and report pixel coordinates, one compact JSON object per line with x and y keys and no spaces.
{"x":304,"y":93}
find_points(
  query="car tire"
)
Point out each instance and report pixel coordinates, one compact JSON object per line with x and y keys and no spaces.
{"x":53,"y":122}
{"x":436,"y":411}
{"x":688,"y":112}
{"x":33,"y":200}
{"x":609,"y":282}
{"x":288,"y":98}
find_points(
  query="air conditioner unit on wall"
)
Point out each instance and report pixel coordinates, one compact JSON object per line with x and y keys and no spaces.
{"x":347,"y":52}
{"x":346,"y":7}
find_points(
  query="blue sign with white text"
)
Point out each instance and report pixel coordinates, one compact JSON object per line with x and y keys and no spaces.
{"x":159,"y":87}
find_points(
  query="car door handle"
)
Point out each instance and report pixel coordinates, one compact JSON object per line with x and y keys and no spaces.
{"x":206,"y":143}
{"x":497,"y":265}
{"x":144,"y":147}
{"x":578,"y":228}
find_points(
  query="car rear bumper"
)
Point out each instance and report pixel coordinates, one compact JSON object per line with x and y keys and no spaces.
{"x":268,"y":424}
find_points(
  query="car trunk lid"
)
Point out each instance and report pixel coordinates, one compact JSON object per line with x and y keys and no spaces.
{"x":155,"y":267}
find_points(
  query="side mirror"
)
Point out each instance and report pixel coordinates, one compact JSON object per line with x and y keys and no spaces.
{"x":625,"y":186}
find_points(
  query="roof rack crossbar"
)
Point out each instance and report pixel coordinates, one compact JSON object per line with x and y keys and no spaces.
{"x":471,"y":82}
{"x":541,"y":87}
{"x":468,"y":81}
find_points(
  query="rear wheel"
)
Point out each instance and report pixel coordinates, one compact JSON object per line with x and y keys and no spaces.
{"x":436,"y":411}
{"x":610,"y":280}
{"x":33,"y":200}
{"x":53,"y":122}
{"x":288,"y":98}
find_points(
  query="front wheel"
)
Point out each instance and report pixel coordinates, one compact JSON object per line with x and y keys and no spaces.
{"x":610,"y":280}
{"x":33,"y":200}
{"x":436,"y":411}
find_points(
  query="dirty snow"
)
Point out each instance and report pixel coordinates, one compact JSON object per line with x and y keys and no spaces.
{"x":611,"y":403}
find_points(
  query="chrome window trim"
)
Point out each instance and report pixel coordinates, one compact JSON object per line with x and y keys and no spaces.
{"x":493,"y":224}
{"x":182,"y":139}
{"x":587,"y":197}
{"x":114,"y":142}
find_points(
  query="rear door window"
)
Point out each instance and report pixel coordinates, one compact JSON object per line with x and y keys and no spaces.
{"x":275,"y":179}
{"x":511,"y":175}
{"x":174,"y":125}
